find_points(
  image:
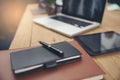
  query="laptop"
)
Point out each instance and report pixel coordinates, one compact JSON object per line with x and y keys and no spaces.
{"x":77,"y":16}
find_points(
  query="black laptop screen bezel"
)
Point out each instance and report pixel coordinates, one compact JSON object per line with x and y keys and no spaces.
{"x":95,"y":19}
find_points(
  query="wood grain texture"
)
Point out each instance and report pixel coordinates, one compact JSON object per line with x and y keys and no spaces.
{"x":23,"y":34}
{"x":29,"y":33}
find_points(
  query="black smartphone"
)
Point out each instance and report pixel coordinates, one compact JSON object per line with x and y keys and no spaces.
{"x":100,"y":43}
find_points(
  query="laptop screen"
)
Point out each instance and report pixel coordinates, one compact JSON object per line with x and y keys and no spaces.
{"x":88,"y":9}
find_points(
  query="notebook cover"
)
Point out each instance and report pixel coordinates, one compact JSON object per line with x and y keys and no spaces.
{"x":74,"y":71}
{"x":40,"y":55}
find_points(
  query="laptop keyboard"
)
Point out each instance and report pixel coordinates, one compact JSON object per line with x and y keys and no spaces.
{"x":71,"y":21}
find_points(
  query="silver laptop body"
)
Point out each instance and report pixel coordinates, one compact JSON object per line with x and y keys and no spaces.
{"x":77,"y":16}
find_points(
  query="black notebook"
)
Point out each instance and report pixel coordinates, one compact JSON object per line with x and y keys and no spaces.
{"x":100,"y":43}
{"x":42,"y":58}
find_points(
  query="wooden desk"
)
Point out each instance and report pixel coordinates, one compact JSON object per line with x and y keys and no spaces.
{"x":28,"y":34}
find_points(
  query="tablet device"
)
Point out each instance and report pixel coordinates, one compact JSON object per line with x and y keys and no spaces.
{"x":100,"y":43}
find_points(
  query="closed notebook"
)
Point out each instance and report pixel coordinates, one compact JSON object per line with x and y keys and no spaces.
{"x":84,"y":69}
{"x":42,"y":58}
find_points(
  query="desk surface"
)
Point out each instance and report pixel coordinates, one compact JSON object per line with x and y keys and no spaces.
{"x":28,"y":34}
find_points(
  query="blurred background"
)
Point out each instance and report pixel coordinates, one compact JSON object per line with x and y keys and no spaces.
{"x":10,"y":15}
{"x":11,"y":12}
